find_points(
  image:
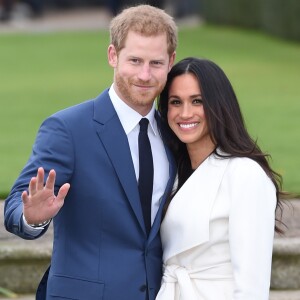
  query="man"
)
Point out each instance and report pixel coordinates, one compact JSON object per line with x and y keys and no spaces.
{"x":90,"y":155}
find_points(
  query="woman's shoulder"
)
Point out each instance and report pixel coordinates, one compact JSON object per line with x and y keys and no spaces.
{"x":239,"y":163}
{"x":244,"y":162}
{"x":246,"y":168}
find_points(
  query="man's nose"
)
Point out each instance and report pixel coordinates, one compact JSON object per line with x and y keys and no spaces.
{"x":145,"y":73}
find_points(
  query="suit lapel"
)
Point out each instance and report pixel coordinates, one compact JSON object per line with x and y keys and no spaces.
{"x":115,"y":142}
{"x":186,"y":223}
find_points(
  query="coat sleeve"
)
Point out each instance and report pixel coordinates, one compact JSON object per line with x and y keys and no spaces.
{"x":51,"y":150}
{"x":251,"y":229}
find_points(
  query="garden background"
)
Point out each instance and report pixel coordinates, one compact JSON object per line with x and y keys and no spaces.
{"x":41,"y":73}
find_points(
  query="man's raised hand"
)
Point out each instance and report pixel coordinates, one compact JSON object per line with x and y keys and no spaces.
{"x":40,"y":204}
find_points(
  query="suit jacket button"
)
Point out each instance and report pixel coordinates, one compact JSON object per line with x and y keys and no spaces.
{"x":143,"y":288}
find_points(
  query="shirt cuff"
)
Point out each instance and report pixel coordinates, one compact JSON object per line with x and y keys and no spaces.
{"x":35,"y":231}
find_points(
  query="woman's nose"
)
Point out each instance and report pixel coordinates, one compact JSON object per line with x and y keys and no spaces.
{"x":186,"y":111}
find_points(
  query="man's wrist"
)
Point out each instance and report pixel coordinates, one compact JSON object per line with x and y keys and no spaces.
{"x":43,"y":224}
{"x":38,"y":225}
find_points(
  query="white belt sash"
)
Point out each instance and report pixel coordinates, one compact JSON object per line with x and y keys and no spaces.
{"x":177,"y":274}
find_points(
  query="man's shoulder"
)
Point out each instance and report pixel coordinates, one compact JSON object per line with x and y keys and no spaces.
{"x":83,"y":107}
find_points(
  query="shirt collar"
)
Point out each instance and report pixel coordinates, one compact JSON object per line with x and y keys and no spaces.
{"x":129,"y":118}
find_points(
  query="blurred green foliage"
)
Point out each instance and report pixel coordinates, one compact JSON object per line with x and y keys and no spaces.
{"x":278,"y":17}
{"x":282,"y":18}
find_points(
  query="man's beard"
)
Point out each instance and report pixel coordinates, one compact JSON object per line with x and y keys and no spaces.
{"x":127,"y":94}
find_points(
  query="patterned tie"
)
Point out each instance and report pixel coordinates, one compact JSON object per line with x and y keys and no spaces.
{"x":146,"y":173}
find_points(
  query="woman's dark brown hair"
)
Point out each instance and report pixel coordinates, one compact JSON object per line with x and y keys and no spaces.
{"x":224,"y":118}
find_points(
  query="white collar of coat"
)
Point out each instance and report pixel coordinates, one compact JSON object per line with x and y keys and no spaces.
{"x":186,"y":223}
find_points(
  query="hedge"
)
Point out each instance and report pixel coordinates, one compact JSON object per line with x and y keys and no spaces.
{"x":277,"y":17}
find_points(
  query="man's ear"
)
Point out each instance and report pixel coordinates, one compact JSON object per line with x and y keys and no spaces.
{"x":172,"y":60}
{"x":112,"y":56}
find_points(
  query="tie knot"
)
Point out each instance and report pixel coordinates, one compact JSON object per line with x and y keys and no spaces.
{"x":144,"y":124}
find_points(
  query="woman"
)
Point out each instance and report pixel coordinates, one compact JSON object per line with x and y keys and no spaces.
{"x":218,"y":230}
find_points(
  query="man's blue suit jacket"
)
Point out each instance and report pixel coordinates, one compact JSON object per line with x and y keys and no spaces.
{"x":101,"y":250}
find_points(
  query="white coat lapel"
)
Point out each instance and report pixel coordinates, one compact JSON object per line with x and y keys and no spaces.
{"x":186,"y":223}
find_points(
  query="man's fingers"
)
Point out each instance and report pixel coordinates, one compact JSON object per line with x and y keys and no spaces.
{"x":40,"y":179}
{"x":50,"y":180}
{"x":25,"y":197}
{"x":62,"y":193}
{"x":32,"y":186}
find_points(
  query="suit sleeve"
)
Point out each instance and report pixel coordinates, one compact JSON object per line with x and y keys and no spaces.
{"x":52,"y":150}
{"x":251,"y":230}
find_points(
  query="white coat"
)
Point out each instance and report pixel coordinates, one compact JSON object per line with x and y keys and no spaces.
{"x":218,"y":233}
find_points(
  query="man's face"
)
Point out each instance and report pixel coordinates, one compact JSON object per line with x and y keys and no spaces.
{"x":141,"y":69}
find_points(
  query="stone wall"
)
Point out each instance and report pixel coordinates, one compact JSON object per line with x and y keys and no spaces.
{"x":23,"y":263}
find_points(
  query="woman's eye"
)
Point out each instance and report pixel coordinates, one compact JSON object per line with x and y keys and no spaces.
{"x":174,"y":102}
{"x":198,"y":101}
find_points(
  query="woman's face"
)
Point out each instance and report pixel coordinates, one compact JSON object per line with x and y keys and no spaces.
{"x":186,"y":115}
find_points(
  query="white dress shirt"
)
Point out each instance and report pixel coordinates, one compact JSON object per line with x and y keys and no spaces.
{"x":130,"y":119}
